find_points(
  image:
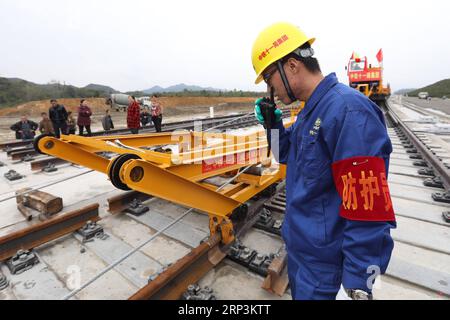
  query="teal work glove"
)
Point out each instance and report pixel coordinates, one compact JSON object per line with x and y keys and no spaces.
{"x":277,"y":113}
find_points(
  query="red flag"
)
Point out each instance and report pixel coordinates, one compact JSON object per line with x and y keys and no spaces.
{"x":380,"y":55}
{"x":354,"y":56}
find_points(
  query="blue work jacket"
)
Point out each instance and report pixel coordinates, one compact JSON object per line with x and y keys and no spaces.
{"x":336,"y":123}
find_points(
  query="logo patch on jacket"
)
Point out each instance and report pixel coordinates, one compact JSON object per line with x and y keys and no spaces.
{"x":316,"y":127}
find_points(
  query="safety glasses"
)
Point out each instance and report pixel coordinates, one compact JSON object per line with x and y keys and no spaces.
{"x":267,"y":75}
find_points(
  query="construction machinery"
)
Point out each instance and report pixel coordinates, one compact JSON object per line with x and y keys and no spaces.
{"x":367,"y":79}
{"x":188,"y":168}
{"x":119,"y":102}
{"x":423,"y":95}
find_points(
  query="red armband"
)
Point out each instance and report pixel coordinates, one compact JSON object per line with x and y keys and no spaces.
{"x":361,"y":182}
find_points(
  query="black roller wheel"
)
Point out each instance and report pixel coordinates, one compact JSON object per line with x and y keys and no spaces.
{"x":114,"y":171}
{"x":269,"y":191}
{"x":239,"y":214}
{"x":38,"y":138}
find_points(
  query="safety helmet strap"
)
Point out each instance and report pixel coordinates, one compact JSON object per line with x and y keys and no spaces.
{"x":285,"y":81}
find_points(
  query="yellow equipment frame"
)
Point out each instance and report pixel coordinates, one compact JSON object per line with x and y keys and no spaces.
{"x":178,"y":177}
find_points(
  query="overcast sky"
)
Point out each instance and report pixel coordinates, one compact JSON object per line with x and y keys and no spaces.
{"x":137,"y":44}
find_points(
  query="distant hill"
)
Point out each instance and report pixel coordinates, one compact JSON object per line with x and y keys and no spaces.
{"x":403,"y":91}
{"x":101,"y":88}
{"x":438,"y":89}
{"x":178,"y":88}
{"x":14,"y":91}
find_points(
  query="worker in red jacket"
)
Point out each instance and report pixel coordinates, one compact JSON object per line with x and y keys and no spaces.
{"x":133,"y":115}
{"x":84,"y":117}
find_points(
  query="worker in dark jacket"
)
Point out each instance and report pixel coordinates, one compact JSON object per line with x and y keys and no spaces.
{"x":133,"y":115}
{"x":84,"y":118}
{"x":107,"y":122}
{"x":338,"y":207}
{"x":145,"y":118}
{"x":58,"y":115}
{"x":25,"y":129}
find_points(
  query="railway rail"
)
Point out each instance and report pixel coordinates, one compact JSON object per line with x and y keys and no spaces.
{"x":25,"y":150}
{"x":244,"y":120}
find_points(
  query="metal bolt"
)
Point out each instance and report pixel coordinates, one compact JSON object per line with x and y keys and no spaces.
{"x":136,"y":174}
{"x":191,"y":288}
{"x":49,"y":144}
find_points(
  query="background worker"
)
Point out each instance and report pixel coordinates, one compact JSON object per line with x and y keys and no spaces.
{"x":133,"y":115}
{"x":58,"y":116}
{"x":156,"y":111}
{"x":145,"y":117}
{"x":84,"y":118}
{"x":338,"y":207}
{"x":107,"y":122}
{"x":25,"y":129}
{"x":71,"y":123}
{"x":45,"y":125}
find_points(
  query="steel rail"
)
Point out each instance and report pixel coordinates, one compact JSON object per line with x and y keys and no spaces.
{"x":42,"y":163}
{"x":48,"y":230}
{"x":121,"y":259}
{"x":119,"y":203}
{"x":431,"y":158}
{"x":171,"y":283}
{"x":128,"y":254}
{"x":166,"y":126}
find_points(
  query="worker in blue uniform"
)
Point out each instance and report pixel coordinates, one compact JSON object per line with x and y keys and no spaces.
{"x":338,"y":207}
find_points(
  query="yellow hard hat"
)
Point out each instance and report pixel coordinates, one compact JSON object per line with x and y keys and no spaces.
{"x":275,"y":42}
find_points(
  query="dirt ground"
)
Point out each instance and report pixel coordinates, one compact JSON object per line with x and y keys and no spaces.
{"x":174,"y":109}
{"x":98,"y":105}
